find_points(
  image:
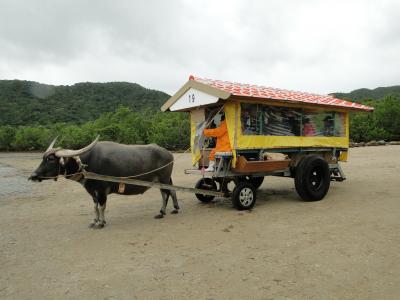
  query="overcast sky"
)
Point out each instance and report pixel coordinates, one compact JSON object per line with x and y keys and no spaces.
{"x":315,"y":46}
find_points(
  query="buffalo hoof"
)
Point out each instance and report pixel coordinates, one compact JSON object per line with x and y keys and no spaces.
{"x":99,"y":226}
{"x":93,"y":224}
{"x":159,"y":216}
{"x":175,"y":211}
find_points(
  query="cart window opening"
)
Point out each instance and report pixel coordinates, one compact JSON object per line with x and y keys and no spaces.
{"x":322,"y":123}
{"x":257,"y":119}
{"x":260,"y":119}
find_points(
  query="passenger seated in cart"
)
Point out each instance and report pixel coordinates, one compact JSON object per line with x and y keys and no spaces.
{"x":328,"y":126}
{"x":223,"y":144}
{"x":248,"y":123}
{"x":308,"y":127}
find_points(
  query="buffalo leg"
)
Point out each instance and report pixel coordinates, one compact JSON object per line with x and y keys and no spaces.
{"x":102,"y":199}
{"x":96,"y":214}
{"x":165,"y":196}
{"x":102,"y":218}
{"x":99,"y":209}
{"x":175,"y":201}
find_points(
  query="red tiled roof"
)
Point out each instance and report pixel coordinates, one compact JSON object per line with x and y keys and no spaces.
{"x":248,"y":90}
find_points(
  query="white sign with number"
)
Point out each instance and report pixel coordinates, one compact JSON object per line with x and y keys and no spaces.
{"x":193,"y":98}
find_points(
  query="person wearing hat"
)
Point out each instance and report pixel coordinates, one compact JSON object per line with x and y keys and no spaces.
{"x":223,"y":144}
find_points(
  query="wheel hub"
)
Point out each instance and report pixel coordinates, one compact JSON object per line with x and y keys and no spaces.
{"x":246,"y":196}
{"x":315,"y":179}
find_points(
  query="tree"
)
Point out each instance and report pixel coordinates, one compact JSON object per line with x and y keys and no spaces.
{"x":387,"y":116}
{"x":32,"y":138}
{"x":170,"y":130}
{"x":7,"y":137}
{"x":383,"y":123}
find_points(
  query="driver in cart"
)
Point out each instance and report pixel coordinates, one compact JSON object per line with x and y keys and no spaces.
{"x":223,"y":144}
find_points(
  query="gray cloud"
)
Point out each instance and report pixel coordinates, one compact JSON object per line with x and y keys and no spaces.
{"x":316,"y":46}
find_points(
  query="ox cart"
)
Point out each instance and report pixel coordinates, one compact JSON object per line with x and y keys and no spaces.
{"x":260,"y":132}
{"x":272,"y":132}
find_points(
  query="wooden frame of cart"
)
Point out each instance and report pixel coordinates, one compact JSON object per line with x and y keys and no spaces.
{"x":310,"y":132}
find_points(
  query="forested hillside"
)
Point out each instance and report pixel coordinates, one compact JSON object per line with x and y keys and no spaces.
{"x":32,"y":103}
{"x":367,"y":94}
{"x":384,"y":122}
{"x":31,"y":114}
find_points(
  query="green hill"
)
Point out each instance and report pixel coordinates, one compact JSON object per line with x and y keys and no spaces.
{"x":32,"y":114}
{"x":367,"y":94}
{"x":32,"y":103}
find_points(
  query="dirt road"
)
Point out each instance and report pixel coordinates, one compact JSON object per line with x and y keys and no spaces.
{"x":344,"y":247}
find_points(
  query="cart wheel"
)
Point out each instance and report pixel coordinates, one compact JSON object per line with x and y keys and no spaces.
{"x":256,"y":181}
{"x":312,"y":179}
{"x":244,"y":196}
{"x":206,"y":184}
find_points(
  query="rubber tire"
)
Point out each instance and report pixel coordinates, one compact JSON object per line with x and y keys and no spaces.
{"x":256,"y":181}
{"x":305,"y":183}
{"x":237,"y":196}
{"x":201,"y":185}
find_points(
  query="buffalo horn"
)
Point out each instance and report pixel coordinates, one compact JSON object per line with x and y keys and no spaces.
{"x":70,"y":153}
{"x":52,"y":144}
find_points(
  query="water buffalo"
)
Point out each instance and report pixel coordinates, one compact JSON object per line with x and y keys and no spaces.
{"x":152,"y":162}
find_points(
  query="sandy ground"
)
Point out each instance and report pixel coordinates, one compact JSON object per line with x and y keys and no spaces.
{"x":344,"y":247}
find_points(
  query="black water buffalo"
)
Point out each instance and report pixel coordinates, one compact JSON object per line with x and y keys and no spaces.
{"x":152,"y":162}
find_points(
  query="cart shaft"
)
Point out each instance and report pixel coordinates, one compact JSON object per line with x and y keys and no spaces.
{"x":89,"y":175}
